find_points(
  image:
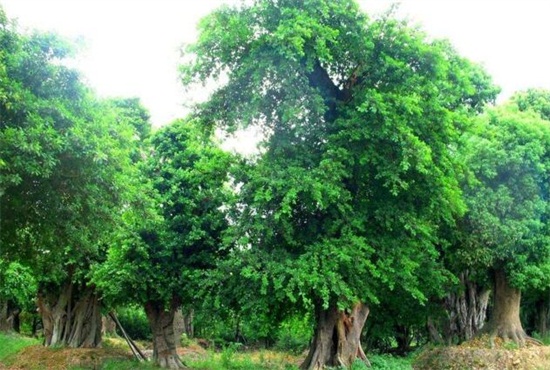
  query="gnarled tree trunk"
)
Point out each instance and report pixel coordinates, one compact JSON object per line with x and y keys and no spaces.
{"x":161,"y":321}
{"x":467,"y":310}
{"x":85,"y":325}
{"x":337,"y":340}
{"x":71,"y":318}
{"x":505,"y":321}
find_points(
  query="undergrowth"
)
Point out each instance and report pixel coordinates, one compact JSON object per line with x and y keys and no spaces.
{"x":10,"y":344}
{"x":119,"y":364}
{"x":230,"y":358}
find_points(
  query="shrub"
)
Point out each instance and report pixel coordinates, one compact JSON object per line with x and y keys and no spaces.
{"x":294,"y":335}
{"x":134,"y":321}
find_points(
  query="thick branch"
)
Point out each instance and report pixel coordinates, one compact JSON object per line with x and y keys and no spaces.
{"x":320,"y":79}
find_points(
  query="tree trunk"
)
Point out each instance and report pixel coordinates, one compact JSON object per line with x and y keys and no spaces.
{"x":467,"y":310}
{"x":164,"y":343}
{"x":404,"y":338}
{"x":179,"y":325}
{"x":505,"y":322}
{"x":543,"y":315}
{"x":108,"y":326}
{"x":188,"y":323}
{"x":85,"y":326}
{"x":71,"y":319}
{"x":433,"y":331}
{"x":337,"y":338}
{"x":5,"y":325}
{"x":183,"y":323}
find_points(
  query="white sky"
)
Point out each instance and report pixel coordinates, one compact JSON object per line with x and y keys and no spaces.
{"x":132,"y":45}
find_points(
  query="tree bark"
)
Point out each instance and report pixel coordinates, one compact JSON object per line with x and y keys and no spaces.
{"x":337,"y":338}
{"x":5,"y":325}
{"x":467,"y":310}
{"x":183,"y":323}
{"x":71,"y":318}
{"x":179,"y":326}
{"x":189,"y":328}
{"x":543,"y":315}
{"x":85,"y":326}
{"x":161,"y":321}
{"x":505,"y":321}
{"x":108,"y":326}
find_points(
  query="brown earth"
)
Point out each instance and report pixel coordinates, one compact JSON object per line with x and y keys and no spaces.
{"x":473,"y":355}
{"x":40,"y":357}
{"x":478,"y":354}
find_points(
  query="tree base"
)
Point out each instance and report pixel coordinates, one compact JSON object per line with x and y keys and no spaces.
{"x":161,"y":321}
{"x":337,"y":338}
{"x":505,"y":320}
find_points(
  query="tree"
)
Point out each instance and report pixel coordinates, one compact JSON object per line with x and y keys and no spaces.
{"x":17,"y":288}
{"x":357,"y":170}
{"x":507,"y":217}
{"x":164,"y":257}
{"x":65,"y":174}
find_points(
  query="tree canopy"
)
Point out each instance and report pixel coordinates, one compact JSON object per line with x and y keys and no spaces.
{"x":358,"y":170}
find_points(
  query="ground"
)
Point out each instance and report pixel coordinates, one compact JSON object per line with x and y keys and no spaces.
{"x":477,"y":354}
{"x":473,"y":355}
{"x":115,"y":354}
{"x":40,"y":357}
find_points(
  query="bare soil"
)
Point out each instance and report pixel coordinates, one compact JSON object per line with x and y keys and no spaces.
{"x":479,"y":354}
{"x":40,"y":357}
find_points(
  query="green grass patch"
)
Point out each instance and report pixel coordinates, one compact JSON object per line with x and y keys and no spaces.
{"x":388,"y":362}
{"x":231,"y":359}
{"x":10,"y":344}
{"x":544,"y":339}
{"x":116,"y":364}
{"x":381,"y":362}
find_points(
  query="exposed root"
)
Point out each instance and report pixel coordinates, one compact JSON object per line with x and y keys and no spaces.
{"x":534,"y":342}
{"x":171,"y":362}
{"x":519,"y":337}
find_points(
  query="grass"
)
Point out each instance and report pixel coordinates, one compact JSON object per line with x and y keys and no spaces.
{"x":118,"y":364}
{"x":231,"y":359}
{"x":10,"y":344}
{"x":388,"y":362}
{"x":544,"y":339}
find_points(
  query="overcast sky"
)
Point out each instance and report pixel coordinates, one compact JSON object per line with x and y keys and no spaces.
{"x":132,"y":45}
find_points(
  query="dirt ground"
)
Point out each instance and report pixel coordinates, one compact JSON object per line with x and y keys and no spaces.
{"x":473,"y":355}
{"x":478,"y":355}
{"x":35,"y":357}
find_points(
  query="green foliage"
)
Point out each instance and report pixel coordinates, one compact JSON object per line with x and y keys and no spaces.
{"x":294,"y":334}
{"x":10,"y":344}
{"x":17,"y":283}
{"x":134,"y":321}
{"x":536,"y":100}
